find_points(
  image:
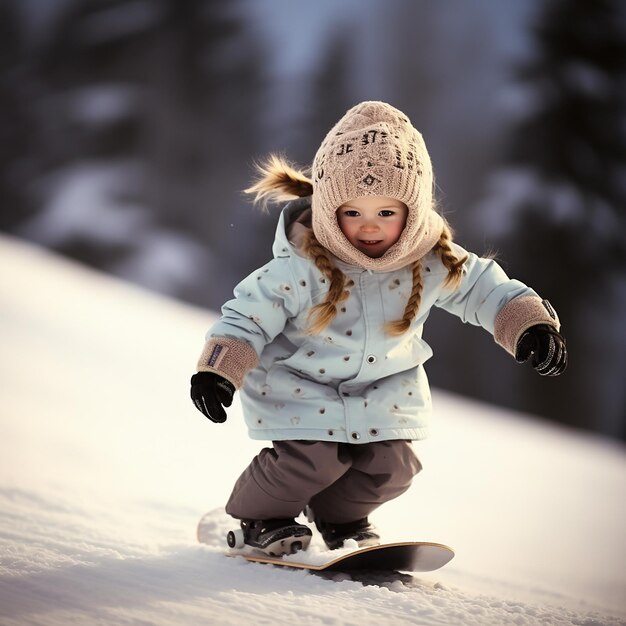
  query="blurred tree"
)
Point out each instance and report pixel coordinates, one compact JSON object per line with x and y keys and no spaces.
{"x":327,"y":96}
{"x":330,"y":94}
{"x":438,"y":63}
{"x":18,"y":139}
{"x":149,"y":116}
{"x":559,"y":204}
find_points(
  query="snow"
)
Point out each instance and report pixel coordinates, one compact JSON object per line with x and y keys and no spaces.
{"x":88,"y":201}
{"x":104,"y":104}
{"x":119,"y":21}
{"x":106,"y":469}
{"x":89,"y":204}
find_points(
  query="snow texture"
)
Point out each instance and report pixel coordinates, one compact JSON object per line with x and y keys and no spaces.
{"x":106,"y":469}
{"x":87,"y":205}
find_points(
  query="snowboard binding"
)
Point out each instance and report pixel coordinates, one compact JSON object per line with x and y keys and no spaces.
{"x":361,"y":531}
{"x":274,"y":537}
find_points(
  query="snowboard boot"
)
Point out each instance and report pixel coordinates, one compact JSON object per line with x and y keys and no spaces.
{"x":334,"y":535}
{"x":274,"y":537}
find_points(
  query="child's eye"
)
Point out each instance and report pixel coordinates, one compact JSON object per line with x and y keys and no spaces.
{"x":351,"y":213}
{"x":386,"y":213}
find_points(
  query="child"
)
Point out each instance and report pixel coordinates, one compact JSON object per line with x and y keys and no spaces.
{"x":325,"y":344}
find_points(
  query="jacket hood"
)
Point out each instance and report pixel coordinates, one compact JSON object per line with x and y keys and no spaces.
{"x":293,"y":225}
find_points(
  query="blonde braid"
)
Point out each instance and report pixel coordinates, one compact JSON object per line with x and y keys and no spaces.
{"x":451,"y":261}
{"x":453,"y":264}
{"x":322,"y":314}
{"x":412,"y":306}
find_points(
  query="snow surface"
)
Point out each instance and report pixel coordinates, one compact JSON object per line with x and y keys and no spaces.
{"x":88,"y":204}
{"x":106,"y":469}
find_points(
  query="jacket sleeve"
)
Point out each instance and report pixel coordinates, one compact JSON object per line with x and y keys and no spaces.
{"x":503,"y":306}
{"x":263,"y":303}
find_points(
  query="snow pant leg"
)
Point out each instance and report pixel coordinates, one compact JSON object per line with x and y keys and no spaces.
{"x":281,"y":480}
{"x":379,"y":472}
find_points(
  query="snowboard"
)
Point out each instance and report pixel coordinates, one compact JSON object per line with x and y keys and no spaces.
{"x":408,"y":556}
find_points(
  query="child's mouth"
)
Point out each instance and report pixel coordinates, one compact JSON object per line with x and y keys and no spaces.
{"x":370,"y":242}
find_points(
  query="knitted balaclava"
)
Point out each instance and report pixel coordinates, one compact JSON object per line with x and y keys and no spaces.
{"x":373,"y":150}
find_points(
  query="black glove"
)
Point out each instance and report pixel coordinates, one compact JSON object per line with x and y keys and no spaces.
{"x":209,"y":392}
{"x":546,"y":346}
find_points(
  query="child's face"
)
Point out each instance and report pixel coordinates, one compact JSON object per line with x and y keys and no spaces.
{"x":372,"y":224}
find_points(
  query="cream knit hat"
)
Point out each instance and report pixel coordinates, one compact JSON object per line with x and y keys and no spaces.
{"x":373,"y":150}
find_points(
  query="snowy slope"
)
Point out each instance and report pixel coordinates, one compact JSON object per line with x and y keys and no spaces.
{"x":106,"y":468}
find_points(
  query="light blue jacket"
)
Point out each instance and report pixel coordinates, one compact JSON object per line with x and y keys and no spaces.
{"x":351,"y":383}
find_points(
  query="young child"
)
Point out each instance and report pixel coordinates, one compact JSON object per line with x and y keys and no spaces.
{"x":324,"y":342}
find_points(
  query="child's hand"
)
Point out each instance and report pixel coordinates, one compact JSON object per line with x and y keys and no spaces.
{"x":209,"y":392}
{"x":546,"y":346}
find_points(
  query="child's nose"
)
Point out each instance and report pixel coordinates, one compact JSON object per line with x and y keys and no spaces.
{"x":369,"y":226}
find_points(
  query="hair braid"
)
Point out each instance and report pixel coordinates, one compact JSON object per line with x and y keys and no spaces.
{"x":278,"y":180}
{"x":322,"y":314}
{"x":412,"y":306}
{"x":451,"y":261}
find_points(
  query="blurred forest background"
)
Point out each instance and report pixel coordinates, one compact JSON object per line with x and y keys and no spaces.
{"x":129,"y":129}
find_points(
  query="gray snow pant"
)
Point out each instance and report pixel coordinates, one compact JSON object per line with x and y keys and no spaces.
{"x":342,"y":482}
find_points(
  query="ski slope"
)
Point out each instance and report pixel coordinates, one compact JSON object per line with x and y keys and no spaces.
{"x":106,"y":468}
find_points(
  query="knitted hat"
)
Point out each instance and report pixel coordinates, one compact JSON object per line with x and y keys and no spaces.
{"x":373,"y":150}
